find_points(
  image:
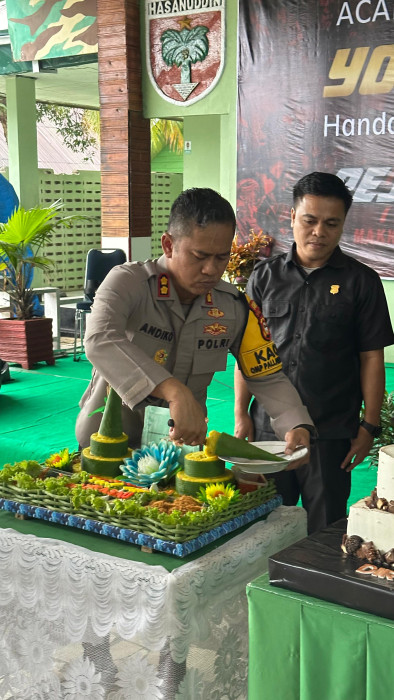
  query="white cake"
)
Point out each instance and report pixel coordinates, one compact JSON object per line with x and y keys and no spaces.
{"x":385,"y":485}
{"x":373,"y":518}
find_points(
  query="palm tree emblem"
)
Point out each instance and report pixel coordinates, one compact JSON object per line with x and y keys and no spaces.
{"x":183,"y":48}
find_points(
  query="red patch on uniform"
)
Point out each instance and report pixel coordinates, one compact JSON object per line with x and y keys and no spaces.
{"x":265,"y":331}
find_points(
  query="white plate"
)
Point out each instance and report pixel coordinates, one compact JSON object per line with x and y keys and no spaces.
{"x":255,"y":466}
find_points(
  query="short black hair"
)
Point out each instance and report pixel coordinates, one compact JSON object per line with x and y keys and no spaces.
{"x":198,"y":206}
{"x":322,"y":185}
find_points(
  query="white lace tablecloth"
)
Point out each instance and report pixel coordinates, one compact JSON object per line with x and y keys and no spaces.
{"x":79,"y":625}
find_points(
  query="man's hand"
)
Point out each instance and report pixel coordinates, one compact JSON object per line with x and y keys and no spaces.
{"x":298,"y":437}
{"x":190,"y":425}
{"x":360,"y":449}
{"x":243,"y":427}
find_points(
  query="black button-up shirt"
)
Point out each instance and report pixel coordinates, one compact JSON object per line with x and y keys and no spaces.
{"x":320,"y":323}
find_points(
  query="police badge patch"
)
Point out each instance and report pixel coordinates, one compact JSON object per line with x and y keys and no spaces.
{"x":161,"y":357}
{"x":184,"y":47}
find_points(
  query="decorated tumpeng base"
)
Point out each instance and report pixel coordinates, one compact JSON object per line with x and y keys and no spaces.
{"x":201,"y":470}
{"x":109,"y":446}
{"x":163,"y":520}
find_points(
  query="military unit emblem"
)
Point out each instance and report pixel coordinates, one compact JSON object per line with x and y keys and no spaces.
{"x":184,"y":47}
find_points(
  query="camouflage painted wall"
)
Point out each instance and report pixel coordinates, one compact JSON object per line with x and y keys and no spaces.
{"x":51,"y":28}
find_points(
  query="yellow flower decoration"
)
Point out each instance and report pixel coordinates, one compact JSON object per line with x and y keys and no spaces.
{"x":216,"y":490}
{"x":61,"y":459}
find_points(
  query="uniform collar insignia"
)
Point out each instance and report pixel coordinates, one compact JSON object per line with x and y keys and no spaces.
{"x":163,"y":286}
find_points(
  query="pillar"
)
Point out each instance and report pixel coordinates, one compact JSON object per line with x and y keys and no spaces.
{"x":22,"y":139}
{"x":125,"y":134}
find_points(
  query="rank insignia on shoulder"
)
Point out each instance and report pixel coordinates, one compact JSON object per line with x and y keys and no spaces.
{"x":215,"y":312}
{"x":164,"y":286}
{"x":334,"y":289}
{"x":160,"y":357}
{"x":208,"y":298}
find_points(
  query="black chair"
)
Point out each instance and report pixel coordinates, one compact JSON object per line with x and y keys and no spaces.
{"x":98,"y":264}
{"x":4,"y":372}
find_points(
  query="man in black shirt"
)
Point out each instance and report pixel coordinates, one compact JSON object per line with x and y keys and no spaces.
{"x":328,"y":317}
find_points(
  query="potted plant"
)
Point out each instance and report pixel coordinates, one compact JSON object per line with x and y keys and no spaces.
{"x":244,"y":256}
{"x":25,"y":339}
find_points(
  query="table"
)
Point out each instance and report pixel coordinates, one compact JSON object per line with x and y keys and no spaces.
{"x":77,"y":622}
{"x":52,"y":302}
{"x":304,"y":648}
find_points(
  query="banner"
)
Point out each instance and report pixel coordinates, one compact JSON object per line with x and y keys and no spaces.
{"x":316,"y":81}
{"x":51,"y":28}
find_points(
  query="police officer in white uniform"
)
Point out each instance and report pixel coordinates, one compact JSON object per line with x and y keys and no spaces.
{"x":159,"y":330}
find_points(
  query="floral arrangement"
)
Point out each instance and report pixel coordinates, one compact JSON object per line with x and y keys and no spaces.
{"x":244,"y":256}
{"x":152,"y":463}
{"x":219,"y":491}
{"x":64,"y":459}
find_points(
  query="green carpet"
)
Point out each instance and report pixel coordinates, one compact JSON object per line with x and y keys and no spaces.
{"x":39,"y":407}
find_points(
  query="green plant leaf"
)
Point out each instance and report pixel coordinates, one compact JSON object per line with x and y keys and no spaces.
{"x":387,"y":422}
{"x":24,"y":233}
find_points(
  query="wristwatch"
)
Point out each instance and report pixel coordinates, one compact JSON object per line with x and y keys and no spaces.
{"x":374,"y":430}
{"x":310,"y":428}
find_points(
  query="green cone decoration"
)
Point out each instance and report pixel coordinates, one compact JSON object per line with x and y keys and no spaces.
{"x":110,"y":445}
{"x":111,"y":422}
{"x":229,"y":446}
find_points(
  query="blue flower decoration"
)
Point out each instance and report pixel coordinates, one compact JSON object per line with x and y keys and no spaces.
{"x":152,"y":463}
